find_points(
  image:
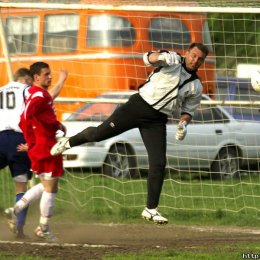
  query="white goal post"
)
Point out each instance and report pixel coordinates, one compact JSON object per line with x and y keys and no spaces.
{"x":176,"y":8}
{"x":58,"y":36}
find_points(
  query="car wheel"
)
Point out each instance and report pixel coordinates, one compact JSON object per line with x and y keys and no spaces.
{"x":120,"y":163}
{"x":226,"y":165}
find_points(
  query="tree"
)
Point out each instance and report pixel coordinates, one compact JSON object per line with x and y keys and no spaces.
{"x":236,"y":39}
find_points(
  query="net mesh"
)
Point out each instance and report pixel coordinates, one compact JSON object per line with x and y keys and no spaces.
{"x":197,"y":187}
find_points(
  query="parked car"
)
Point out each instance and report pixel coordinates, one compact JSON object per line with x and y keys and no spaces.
{"x":215,"y":141}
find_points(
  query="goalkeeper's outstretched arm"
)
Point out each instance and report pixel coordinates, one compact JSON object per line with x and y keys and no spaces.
{"x":161,"y":58}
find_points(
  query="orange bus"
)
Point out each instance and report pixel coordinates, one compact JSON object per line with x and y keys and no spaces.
{"x":101,"y":49}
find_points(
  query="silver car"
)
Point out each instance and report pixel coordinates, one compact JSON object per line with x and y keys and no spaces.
{"x":215,"y":142}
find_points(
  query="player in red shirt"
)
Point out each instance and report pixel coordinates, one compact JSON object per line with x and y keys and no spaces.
{"x":39,"y":125}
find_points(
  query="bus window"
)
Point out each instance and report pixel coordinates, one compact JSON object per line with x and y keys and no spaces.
{"x":60,"y":33}
{"x":109,"y":31}
{"x":169,"y":33}
{"x":22,"y":34}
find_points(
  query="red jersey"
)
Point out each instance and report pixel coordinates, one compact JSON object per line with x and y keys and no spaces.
{"x":39,"y":125}
{"x":38,"y":119}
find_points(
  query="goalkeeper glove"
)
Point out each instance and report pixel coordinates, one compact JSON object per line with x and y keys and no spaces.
{"x":181,"y":130}
{"x":170,"y":58}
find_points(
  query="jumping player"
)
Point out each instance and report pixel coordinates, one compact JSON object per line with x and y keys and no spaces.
{"x":173,"y":85}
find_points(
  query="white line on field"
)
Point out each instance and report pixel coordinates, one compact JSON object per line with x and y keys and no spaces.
{"x":56,"y":244}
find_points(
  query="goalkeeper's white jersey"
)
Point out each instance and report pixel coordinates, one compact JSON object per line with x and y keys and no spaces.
{"x":172,"y":87}
{"x":12,"y":98}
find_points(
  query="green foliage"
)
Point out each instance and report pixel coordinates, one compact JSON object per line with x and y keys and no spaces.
{"x":232,"y":3}
{"x":236,"y":39}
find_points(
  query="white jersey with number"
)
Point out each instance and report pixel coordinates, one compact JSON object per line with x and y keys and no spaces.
{"x":12,"y":98}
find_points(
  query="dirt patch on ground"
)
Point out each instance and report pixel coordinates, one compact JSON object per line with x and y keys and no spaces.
{"x":92,"y":241}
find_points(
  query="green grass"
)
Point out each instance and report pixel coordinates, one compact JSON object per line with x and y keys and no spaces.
{"x":184,"y":200}
{"x":228,"y":252}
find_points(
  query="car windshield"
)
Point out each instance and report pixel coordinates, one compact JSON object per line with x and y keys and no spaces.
{"x":99,"y":111}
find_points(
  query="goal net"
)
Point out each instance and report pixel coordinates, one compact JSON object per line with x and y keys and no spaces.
{"x":214,"y":171}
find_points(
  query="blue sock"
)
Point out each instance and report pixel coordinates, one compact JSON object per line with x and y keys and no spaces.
{"x":21,"y":216}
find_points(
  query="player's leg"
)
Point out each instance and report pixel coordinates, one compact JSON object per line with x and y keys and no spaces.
{"x":124,"y":118}
{"x":46,"y":207}
{"x":154,"y":138}
{"x":13,"y":215}
{"x":19,"y":165}
{"x":30,"y":196}
{"x":20,"y":188}
{"x":50,"y":169}
{"x":9,"y":213}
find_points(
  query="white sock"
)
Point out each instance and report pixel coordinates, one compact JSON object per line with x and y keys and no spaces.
{"x":46,"y":207}
{"x":30,"y":196}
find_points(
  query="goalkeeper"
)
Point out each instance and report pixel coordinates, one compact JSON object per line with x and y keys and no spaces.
{"x":173,"y":85}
